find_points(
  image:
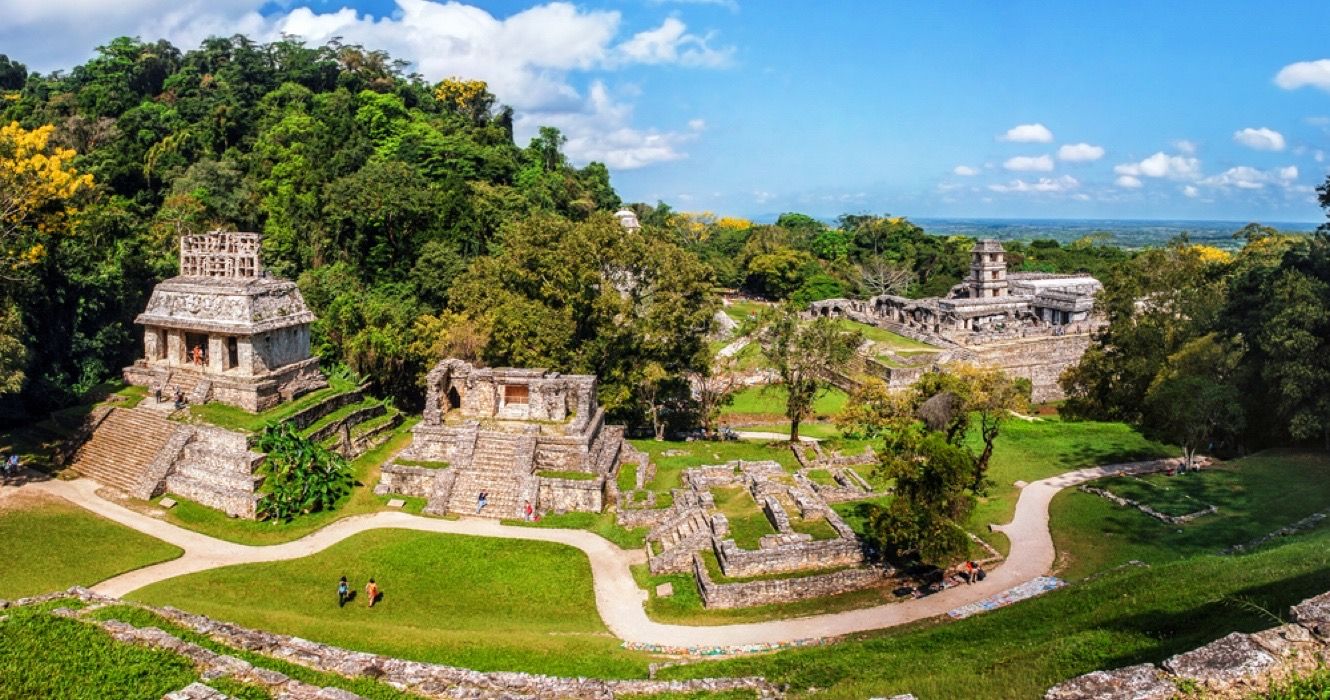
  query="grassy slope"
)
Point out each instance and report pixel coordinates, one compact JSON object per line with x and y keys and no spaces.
{"x":234,"y":418}
{"x":72,"y":660}
{"x":1127,"y":617}
{"x":770,"y":401}
{"x":50,"y":544}
{"x":885,"y":338}
{"x":482,"y":603}
{"x":361,"y":500}
{"x":1255,"y":495}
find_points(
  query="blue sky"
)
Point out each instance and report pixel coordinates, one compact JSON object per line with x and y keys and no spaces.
{"x":1214,"y":110}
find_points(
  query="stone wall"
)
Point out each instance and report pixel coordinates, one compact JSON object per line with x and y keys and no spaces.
{"x":408,"y":481}
{"x":216,"y":469}
{"x":1239,"y":665}
{"x":1041,"y":360}
{"x":309,"y":416}
{"x":418,"y":678}
{"x":793,"y":556}
{"x":781,"y":590}
{"x":571,"y":495}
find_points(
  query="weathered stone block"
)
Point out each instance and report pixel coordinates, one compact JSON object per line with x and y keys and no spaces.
{"x":1314,"y":614}
{"x":1224,"y":663}
{"x":1141,"y":682}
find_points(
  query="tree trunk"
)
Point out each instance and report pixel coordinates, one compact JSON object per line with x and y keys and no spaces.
{"x":657,"y":427}
{"x":794,"y":429}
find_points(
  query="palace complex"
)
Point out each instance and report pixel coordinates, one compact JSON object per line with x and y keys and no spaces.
{"x":1030,"y":324}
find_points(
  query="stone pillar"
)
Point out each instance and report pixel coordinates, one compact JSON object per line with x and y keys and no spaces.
{"x":244,"y":356}
{"x":150,"y":346}
{"x":175,"y":347}
{"x":216,"y":353}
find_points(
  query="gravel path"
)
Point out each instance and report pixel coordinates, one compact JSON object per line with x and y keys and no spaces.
{"x":618,"y":598}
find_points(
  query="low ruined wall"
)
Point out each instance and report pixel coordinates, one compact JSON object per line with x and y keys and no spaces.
{"x":1236,"y":666}
{"x":788,"y":557}
{"x":784,"y":590}
{"x":427,"y":680}
{"x":355,"y":417}
{"x":571,"y":495}
{"x":643,"y":517}
{"x":309,"y":416}
{"x":408,"y":481}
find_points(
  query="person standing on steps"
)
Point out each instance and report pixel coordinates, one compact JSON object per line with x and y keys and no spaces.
{"x":343,"y":592}
{"x":372,"y":592}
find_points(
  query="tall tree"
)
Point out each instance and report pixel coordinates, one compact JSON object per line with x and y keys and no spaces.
{"x":807,"y":356}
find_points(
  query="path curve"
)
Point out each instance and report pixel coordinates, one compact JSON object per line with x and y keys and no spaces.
{"x":618,"y":599}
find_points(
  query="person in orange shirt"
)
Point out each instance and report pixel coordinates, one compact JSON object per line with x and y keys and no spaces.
{"x":372,"y":592}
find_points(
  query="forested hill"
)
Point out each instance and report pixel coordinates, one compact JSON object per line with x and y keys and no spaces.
{"x":413,"y":222}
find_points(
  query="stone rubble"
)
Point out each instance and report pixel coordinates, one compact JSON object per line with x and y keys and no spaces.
{"x":1236,"y":666}
{"x":428,"y":680}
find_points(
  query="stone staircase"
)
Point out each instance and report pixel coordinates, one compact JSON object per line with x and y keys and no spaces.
{"x":495,"y":469}
{"x":123,"y":448}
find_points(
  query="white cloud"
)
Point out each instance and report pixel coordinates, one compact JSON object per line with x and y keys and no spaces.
{"x":1162,"y":165}
{"x":527,"y":58}
{"x":1262,"y":139}
{"x":1028,"y":133}
{"x":604,"y":133}
{"x":1185,"y":147}
{"x":1191,"y":192}
{"x":965,"y":171}
{"x":1043,"y":185}
{"x":1128,"y":181}
{"x":671,"y":43}
{"x":1041,"y":164}
{"x":1080,"y":152}
{"x":1245,"y":177}
{"x":1304,"y":73}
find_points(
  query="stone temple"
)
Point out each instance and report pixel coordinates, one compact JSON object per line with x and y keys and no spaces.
{"x":223,"y":330}
{"x":1030,"y":324}
{"x":518,"y":435}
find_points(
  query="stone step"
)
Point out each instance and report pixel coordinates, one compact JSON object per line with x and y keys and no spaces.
{"x":122,"y":447}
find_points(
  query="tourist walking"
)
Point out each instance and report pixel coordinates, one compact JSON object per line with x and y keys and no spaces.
{"x":529,"y":511}
{"x":343,"y":592}
{"x":372,"y":592}
{"x":481,"y":501}
{"x":12,"y":467}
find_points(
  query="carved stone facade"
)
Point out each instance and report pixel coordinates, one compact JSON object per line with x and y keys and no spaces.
{"x":514,"y":435}
{"x":224,"y":331}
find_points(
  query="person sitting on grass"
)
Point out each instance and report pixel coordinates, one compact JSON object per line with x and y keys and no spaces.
{"x":343,"y":592}
{"x":372,"y":592}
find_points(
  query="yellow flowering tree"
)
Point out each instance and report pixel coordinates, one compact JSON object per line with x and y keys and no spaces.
{"x":39,"y":188}
{"x":469,"y":97}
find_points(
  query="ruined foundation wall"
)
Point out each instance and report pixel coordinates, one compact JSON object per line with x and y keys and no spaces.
{"x":1041,"y":360}
{"x":783,"y":590}
{"x":571,"y":495}
{"x":216,"y":469}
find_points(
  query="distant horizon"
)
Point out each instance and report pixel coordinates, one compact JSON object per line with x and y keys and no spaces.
{"x":768,"y":218}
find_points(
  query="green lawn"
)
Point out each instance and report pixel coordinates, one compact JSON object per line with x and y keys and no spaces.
{"x":1128,"y":617}
{"x":742,"y":310}
{"x":685,"y":606}
{"x":1174,"y":496}
{"x":884,"y":338}
{"x":770,"y":401}
{"x":821,"y":431}
{"x":362,"y":499}
{"x":603,"y":524}
{"x":684,"y":455}
{"x":481,"y":603}
{"x":1029,"y":451}
{"x":51,"y":544}
{"x":747,"y":521}
{"x":1255,"y":495}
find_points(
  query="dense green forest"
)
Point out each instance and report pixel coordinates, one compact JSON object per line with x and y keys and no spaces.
{"x":417,"y":229}
{"x":414,"y":224}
